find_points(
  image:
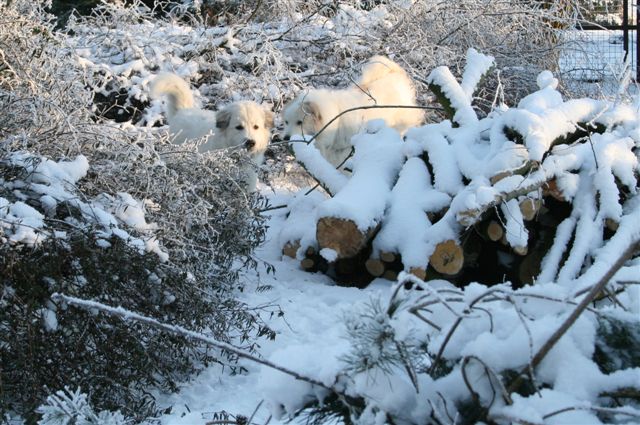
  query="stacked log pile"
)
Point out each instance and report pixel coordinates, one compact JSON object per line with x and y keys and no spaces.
{"x":524,"y":194}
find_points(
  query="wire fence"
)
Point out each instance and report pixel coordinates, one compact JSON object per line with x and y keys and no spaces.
{"x":600,"y":52}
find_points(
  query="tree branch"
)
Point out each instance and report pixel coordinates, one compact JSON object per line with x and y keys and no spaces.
{"x":180,"y":331}
{"x":593,"y":293}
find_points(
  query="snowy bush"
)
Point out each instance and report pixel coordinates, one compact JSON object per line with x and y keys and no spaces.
{"x":112,"y":214}
{"x":267,"y":51}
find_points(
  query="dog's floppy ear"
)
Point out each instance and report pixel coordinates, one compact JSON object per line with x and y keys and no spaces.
{"x":312,"y":109}
{"x":268,"y":119}
{"x":223,"y":118}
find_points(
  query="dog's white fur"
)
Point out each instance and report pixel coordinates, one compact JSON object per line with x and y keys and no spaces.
{"x":383,"y":82}
{"x":243,"y":123}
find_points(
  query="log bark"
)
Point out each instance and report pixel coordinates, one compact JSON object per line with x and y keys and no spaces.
{"x":448,"y":258}
{"x":469,"y":217}
{"x":524,"y":169}
{"x":343,"y":236}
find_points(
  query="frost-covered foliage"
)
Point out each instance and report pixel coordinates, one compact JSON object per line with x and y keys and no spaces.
{"x":267,"y":51}
{"x":72,"y":407}
{"x":603,"y":12}
{"x":112,"y":214}
{"x":543,"y":347}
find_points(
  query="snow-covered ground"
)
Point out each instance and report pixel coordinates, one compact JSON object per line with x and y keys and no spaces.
{"x":313,"y":309}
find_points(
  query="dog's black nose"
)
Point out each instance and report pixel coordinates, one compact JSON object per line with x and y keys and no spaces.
{"x":286,"y":137}
{"x":249,"y":144}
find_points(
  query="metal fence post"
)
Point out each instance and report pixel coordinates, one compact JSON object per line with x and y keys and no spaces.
{"x":625,"y":28}
{"x":638,"y":41}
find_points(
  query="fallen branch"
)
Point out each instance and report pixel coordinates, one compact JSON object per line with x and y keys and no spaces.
{"x":469,"y":217}
{"x":591,"y":295}
{"x":180,"y":331}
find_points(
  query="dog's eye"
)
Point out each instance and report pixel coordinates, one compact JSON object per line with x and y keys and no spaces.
{"x":239,"y":127}
{"x":286,"y":123}
{"x":299,"y":123}
{"x":255,"y":127}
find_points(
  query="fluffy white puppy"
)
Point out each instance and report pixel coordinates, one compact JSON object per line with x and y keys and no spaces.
{"x":383,"y":82}
{"x":243,"y":123}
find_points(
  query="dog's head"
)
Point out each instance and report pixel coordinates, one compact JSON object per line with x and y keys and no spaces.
{"x":245,"y":124}
{"x":302,"y":117}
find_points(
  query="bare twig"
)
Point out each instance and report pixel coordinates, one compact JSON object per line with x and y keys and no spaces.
{"x":346,"y":111}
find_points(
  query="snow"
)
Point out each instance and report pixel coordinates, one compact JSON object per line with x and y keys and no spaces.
{"x":446,"y":174}
{"x":459,"y":98}
{"x":52,"y":182}
{"x":477,"y":66}
{"x":313,"y":161}
{"x":312,"y":329}
{"x":377,"y":160}
{"x":499,"y":328}
{"x":499,"y":325}
{"x":406,"y":222}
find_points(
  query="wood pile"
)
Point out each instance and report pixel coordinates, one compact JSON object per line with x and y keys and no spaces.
{"x":519,"y":195}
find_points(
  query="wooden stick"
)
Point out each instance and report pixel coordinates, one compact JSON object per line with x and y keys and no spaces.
{"x":180,"y":331}
{"x":588,"y":299}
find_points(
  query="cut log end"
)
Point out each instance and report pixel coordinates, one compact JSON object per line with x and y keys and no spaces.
{"x":448,"y":258}
{"x":521,"y":250}
{"x":390,"y":275}
{"x":611,"y":224}
{"x":418,"y":272}
{"x":388,"y":257}
{"x":343,"y":236}
{"x":375,"y":267}
{"x":307,"y":263}
{"x":495,"y":231}
{"x":291,"y":248}
{"x":530,"y":208}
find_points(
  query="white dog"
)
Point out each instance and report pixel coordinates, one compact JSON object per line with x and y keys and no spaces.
{"x":242,"y":123}
{"x":383,"y":82}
